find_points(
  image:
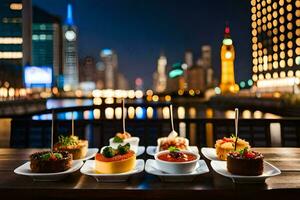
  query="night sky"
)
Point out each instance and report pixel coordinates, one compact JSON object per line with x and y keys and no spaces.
{"x":139,"y":30}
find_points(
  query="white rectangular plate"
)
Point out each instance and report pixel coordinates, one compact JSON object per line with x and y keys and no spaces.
{"x":89,"y":169}
{"x":26,"y":171}
{"x":269,"y":170}
{"x":210,"y":153}
{"x":152,"y":150}
{"x":140,"y":151}
{"x":90,"y":154}
{"x":152,"y":168}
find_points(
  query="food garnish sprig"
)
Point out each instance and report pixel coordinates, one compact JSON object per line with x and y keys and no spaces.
{"x":236,"y":120}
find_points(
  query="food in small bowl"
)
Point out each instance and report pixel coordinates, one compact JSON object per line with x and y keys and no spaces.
{"x":114,"y":161}
{"x":72,"y":144}
{"x":50,"y":162}
{"x":176,"y":161}
{"x":124,"y":138}
{"x":245,"y":162}
{"x":226,"y":145}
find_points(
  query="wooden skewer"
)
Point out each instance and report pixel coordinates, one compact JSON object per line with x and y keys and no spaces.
{"x":123,"y":115}
{"x":171,"y":115}
{"x":236,"y":124}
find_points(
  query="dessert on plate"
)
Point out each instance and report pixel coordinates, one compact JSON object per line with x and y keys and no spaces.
{"x":124,"y":138}
{"x":245,"y":162}
{"x":113,"y":161}
{"x":226,"y":145}
{"x":50,"y":162}
{"x":72,"y":144}
{"x":173,"y":140}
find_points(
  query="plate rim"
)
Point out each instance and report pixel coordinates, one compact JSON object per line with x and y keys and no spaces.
{"x":113,"y":175}
{"x":232,"y":176}
{"x":176,"y":175}
{"x":91,"y":156}
{"x":152,"y":146}
{"x":209,"y":158}
{"x":75,"y":166}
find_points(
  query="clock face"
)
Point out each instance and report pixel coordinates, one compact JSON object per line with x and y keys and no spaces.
{"x":70,"y":35}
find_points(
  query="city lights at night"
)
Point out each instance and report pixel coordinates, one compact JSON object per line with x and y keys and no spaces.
{"x":149,"y":99}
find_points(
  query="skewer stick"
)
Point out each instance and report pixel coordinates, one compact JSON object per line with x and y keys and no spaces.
{"x":72,"y":124}
{"x":123,"y":114}
{"x":236,"y":123}
{"x":171,"y":113}
{"x":52,"y":131}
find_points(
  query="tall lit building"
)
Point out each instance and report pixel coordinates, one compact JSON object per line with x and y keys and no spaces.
{"x":275,"y":44}
{"x":110,"y":60}
{"x":160,"y":77}
{"x":46,"y":40}
{"x":11,"y":41}
{"x":227,"y":84}
{"x":70,"y":52}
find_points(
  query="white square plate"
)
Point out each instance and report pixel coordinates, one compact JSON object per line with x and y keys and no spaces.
{"x":141,"y":150}
{"x":221,"y":168}
{"x":210,"y":153}
{"x":152,"y":168}
{"x":90,"y":154}
{"x":152,"y":150}
{"x":89,"y":169}
{"x":26,"y":171}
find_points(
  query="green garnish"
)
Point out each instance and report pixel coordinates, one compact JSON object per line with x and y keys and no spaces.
{"x":173,"y":149}
{"x":117,"y":139}
{"x":68,"y":140}
{"x":109,"y":152}
{"x":243,"y":151}
{"x":49,"y":155}
{"x":123,"y":149}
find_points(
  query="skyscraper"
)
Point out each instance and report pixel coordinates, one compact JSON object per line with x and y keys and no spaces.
{"x":70,"y":53}
{"x":46,"y":40}
{"x":110,"y":60}
{"x":11,"y":41}
{"x":227,"y":64}
{"x":275,"y":44}
{"x":160,"y":77}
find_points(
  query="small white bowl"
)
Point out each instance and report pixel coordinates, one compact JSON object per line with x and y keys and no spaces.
{"x":176,"y":167}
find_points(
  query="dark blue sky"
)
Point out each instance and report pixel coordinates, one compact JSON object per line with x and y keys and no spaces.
{"x":138,"y":30}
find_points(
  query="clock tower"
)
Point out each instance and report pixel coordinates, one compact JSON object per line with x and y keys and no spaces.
{"x":70,"y":52}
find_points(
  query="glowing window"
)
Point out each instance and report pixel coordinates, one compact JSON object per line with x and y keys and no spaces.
{"x":282,"y":75}
{"x":282,"y":64}
{"x":297,"y":3}
{"x":290,"y":26}
{"x":275,"y":75}
{"x":275,"y":56}
{"x":253,"y":9}
{"x":281,"y":2}
{"x":290,"y":62}
{"x":298,"y":32}
{"x":254,"y":25}
{"x":275,"y":14}
{"x":290,"y":73}
{"x":261,"y":77}
{"x":275,"y":48}
{"x":275,"y":31}
{"x":275,"y":22}
{"x":254,"y":69}
{"x":270,"y":58}
{"x":264,"y":19}
{"x":254,"y":32}
{"x":254,"y":54}
{"x":269,"y":25}
{"x":258,"y":6}
{"x":254,"y":40}
{"x":290,"y":44}
{"x":281,"y":11}
{"x":282,"y":55}
{"x":290,"y":53}
{"x":298,"y":50}
{"x":282,"y":46}
{"x":269,"y":8}
{"x":275,"y":64}
{"x":268,"y":76}
{"x":290,"y":35}
{"x":258,"y":14}
{"x":281,"y":20}
{"x":254,"y":77}
{"x":281,"y":28}
{"x":298,"y":73}
{"x":255,"y":61}
{"x":281,"y":37}
{"x":260,"y":68}
{"x":298,"y":41}
{"x":289,"y":7}
{"x":289,"y":16}
{"x":275,"y":5}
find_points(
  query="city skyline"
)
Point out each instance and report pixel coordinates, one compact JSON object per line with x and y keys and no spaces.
{"x":138,"y":36}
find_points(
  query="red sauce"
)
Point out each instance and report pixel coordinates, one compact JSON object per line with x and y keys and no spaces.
{"x":177,"y":157}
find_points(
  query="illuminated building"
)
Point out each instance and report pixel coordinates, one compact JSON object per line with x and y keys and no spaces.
{"x":11,"y":41}
{"x":70,"y":53}
{"x":160,"y":77}
{"x":110,"y":60}
{"x":275,"y":44}
{"x":46,"y":41}
{"x":227,"y":64}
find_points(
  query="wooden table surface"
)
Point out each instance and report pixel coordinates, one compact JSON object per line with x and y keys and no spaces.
{"x":145,"y":186}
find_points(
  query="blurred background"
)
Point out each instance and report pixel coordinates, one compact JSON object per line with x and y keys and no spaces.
{"x":82,"y":57}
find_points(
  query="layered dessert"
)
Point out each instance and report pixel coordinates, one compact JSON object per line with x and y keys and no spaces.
{"x":173,"y":140}
{"x":113,"y":161}
{"x":50,"y":162}
{"x":124,"y":138}
{"x":72,"y":144}
{"x":245,"y":162}
{"x":227,"y":145}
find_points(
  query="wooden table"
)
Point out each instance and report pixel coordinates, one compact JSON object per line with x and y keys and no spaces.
{"x":145,"y":186}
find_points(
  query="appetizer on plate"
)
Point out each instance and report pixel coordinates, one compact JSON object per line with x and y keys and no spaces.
{"x":124,"y":138}
{"x":245,"y":162}
{"x":173,"y":140}
{"x":226,"y":145}
{"x":72,"y":144}
{"x":176,"y":161}
{"x":114,"y":161}
{"x":50,"y":162}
